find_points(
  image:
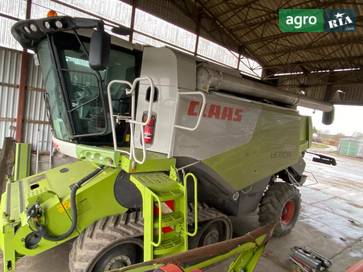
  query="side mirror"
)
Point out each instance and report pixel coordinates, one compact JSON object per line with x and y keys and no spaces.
{"x":99,"y":51}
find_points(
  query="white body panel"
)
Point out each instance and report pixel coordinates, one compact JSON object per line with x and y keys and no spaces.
{"x":66,"y":148}
{"x":228,"y":121}
{"x":171,"y":72}
{"x":226,"y":124}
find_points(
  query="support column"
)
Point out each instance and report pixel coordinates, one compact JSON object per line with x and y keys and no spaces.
{"x":239,"y":61}
{"x":133,"y":12}
{"x":24,"y":69}
{"x":24,"y":73}
{"x":197,"y":31}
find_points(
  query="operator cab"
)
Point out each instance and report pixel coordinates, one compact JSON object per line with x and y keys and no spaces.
{"x":76,"y":71}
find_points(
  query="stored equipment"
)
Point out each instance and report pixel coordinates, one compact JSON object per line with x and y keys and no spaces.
{"x":308,"y":260}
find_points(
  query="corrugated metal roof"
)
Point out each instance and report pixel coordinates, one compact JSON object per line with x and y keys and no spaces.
{"x":251,"y":28}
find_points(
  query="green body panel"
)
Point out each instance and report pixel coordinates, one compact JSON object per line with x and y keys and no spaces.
{"x":157,"y":188}
{"x":108,"y":156}
{"x":51,"y":190}
{"x":306,"y":133}
{"x":22,"y":161}
{"x":278,"y":141}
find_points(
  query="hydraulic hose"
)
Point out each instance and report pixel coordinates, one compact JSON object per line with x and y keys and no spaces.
{"x":42,"y":230}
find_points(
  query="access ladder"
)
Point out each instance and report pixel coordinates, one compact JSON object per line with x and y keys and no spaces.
{"x":165,"y":213}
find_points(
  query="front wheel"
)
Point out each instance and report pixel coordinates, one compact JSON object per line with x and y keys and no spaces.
{"x":110,"y":243}
{"x":280,"y":204}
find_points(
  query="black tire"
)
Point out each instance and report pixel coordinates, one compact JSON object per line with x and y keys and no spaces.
{"x":110,"y":243}
{"x":213,"y":226}
{"x":281,"y":203}
{"x":212,"y":232}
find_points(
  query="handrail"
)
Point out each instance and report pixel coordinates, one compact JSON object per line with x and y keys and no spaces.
{"x":141,"y":124}
{"x":200,"y":113}
{"x":159,"y":220}
{"x":112,"y":115}
{"x":132,"y":121}
{"x":192,"y":234}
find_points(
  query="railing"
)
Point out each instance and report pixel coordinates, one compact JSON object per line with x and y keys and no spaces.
{"x":192,"y":234}
{"x":132,"y":118}
{"x":200,"y":113}
{"x":174,"y":126}
{"x":158,"y":243}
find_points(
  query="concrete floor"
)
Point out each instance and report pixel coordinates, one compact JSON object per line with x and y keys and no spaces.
{"x":331,"y":222}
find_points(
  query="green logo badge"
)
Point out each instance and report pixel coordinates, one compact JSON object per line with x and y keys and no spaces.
{"x":301,"y":20}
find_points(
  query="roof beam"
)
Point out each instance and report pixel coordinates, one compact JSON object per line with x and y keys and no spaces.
{"x":267,"y":17}
{"x":351,"y":40}
{"x":283,"y":35}
{"x":235,"y":9}
{"x":341,"y":59}
{"x":221,"y":25}
{"x":7,"y":16}
{"x":217,"y":4}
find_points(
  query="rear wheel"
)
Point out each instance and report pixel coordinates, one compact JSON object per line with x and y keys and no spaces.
{"x":212,"y":232}
{"x":281,"y":203}
{"x":111,"y":243}
{"x":213,"y":227}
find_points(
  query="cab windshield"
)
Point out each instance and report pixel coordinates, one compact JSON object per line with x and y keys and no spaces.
{"x":76,"y":94}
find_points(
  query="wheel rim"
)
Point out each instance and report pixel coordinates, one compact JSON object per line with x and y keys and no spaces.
{"x":288,"y":212}
{"x":211,"y":237}
{"x":118,"y":255}
{"x":118,"y":262}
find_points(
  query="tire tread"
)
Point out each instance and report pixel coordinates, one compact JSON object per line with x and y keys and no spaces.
{"x":272,"y":202}
{"x":100,"y":235}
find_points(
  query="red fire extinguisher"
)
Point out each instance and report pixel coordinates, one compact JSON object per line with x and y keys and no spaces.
{"x":149,"y":129}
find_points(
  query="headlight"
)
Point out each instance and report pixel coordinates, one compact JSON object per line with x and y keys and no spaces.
{"x":47,"y":25}
{"x":27,"y":30}
{"x":58,"y":24}
{"x":33,"y":27}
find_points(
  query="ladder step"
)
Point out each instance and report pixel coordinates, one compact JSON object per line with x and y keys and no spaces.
{"x":160,"y":184}
{"x":169,"y":246}
{"x":160,"y":188}
{"x":170,"y":219}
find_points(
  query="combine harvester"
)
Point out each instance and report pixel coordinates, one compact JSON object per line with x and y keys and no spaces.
{"x":169,"y":147}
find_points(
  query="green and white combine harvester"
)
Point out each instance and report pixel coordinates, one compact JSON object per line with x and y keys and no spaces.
{"x":168,"y":147}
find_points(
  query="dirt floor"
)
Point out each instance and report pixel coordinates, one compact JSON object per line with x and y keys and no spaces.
{"x":331,"y":222}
